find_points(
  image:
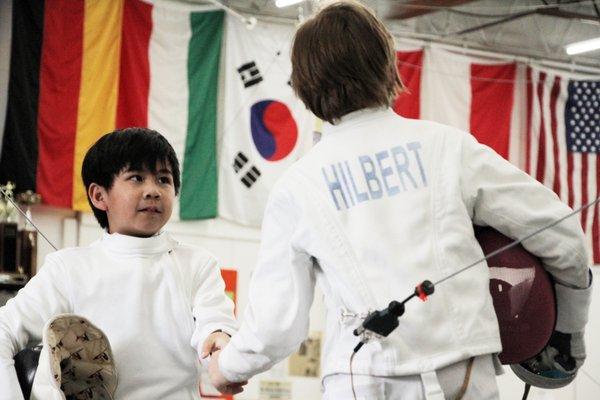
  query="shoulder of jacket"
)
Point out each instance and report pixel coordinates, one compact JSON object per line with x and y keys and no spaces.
{"x":193,"y":252}
{"x":439,"y":128}
{"x":73,"y":252}
{"x":70,"y":257}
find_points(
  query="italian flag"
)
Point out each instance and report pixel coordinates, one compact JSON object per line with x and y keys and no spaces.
{"x":80,"y":69}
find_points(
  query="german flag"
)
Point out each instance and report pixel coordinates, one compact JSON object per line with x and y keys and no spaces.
{"x":82,"y":68}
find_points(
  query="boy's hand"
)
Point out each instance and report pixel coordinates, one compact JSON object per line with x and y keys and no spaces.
{"x":218,"y":380}
{"x":214,"y":342}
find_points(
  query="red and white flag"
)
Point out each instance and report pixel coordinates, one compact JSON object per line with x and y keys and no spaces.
{"x":410,"y":64}
{"x":479,"y":96}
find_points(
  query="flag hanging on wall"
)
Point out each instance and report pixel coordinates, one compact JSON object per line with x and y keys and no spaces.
{"x":478,"y":96}
{"x":563,"y":142}
{"x":410,"y":64}
{"x":265,"y":126}
{"x":474,"y":95}
{"x":80,"y":69}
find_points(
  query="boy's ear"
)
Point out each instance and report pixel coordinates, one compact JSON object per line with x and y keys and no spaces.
{"x":98,"y":196}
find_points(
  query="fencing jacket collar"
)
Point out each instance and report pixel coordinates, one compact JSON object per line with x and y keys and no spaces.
{"x":131,"y":245}
{"x":356,"y":117}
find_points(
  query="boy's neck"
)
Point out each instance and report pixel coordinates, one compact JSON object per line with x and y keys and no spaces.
{"x":133,"y":235}
{"x":128,"y":245}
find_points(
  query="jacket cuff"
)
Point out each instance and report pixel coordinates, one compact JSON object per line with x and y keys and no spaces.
{"x":10,"y":384}
{"x":572,"y":307}
{"x":210,"y":328}
{"x":230,"y":361}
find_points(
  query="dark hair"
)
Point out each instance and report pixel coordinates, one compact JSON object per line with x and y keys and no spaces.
{"x":343,"y":60}
{"x":126,"y":149}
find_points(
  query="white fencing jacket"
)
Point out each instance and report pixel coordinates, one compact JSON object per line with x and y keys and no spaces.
{"x":155,"y":299}
{"x":380,"y":204}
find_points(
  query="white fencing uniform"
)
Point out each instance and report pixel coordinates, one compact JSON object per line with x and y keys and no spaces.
{"x":155,"y":299}
{"x":380,"y":204}
{"x":481,"y":386}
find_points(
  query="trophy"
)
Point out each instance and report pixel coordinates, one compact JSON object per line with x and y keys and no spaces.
{"x":9,"y":246}
{"x":27,"y":263}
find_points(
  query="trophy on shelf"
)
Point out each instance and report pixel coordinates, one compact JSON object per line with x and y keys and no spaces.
{"x":9,"y":236}
{"x":27,"y":262}
{"x":18,"y":239}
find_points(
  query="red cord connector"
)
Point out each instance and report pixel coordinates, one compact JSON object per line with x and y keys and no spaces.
{"x":424,"y":289}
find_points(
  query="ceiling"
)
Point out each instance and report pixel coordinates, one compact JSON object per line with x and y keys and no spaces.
{"x":530,"y":28}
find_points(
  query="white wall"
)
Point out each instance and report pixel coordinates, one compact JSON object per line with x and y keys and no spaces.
{"x":237,"y":248}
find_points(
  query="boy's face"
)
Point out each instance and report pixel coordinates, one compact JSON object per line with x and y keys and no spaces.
{"x":139,"y":203}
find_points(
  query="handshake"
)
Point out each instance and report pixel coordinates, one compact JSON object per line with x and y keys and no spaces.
{"x":214,"y":343}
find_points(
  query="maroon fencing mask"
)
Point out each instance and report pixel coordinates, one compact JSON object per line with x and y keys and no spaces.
{"x":523,"y":296}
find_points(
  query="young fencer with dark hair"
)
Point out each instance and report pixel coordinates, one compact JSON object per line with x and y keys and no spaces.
{"x":157,"y":300}
{"x":377,"y":206}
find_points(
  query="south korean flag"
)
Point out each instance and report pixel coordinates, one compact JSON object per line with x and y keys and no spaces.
{"x":265,"y":127}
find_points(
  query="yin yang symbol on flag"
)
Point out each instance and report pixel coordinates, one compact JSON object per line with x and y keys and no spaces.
{"x":274,"y":130}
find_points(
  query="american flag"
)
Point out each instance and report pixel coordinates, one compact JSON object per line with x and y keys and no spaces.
{"x":563,"y":143}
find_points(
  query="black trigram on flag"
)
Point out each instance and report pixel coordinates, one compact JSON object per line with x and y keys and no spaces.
{"x":250,"y":74}
{"x":251,"y":176}
{"x":239,"y":162}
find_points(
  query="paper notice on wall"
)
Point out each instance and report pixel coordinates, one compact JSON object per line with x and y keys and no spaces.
{"x":230,"y":278}
{"x":307,"y":360}
{"x":275,"y":390}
